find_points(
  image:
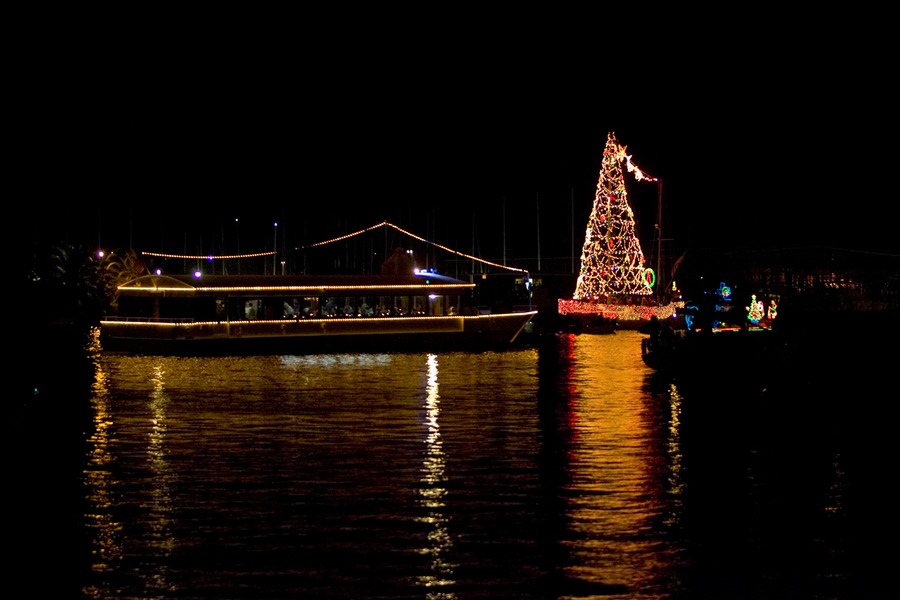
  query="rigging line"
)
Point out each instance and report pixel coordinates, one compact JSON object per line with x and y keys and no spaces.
{"x":344,"y":237}
{"x":445,"y":248}
{"x":414,"y":236}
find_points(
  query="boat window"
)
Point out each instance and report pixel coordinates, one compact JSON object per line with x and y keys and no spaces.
{"x":251,"y":309}
{"x":436,"y":305}
{"x":400,"y":306}
{"x":328,"y":306}
{"x":366,"y":306}
{"x":309,"y":307}
{"x":419,"y":305}
{"x":237,"y":309}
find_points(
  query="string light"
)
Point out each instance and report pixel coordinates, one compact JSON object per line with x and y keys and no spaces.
{"x":414,"y":236}
{"x":612,"y":262}
{"x":210,"y":257}
{"x":613,"y":276}
{"x":207,"y":256}
{"x":621,"y":312}
{"x":169,"y":285}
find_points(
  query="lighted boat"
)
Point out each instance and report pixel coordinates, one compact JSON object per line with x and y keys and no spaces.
{"x":616,"y":283}
{"x":298,"y":314}
{"x":716,"y":335}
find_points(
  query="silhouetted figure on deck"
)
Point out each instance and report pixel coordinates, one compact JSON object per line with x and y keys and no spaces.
{"x":651,"y":327}
{"x":400,"y":262}
{"x":661,"y":335}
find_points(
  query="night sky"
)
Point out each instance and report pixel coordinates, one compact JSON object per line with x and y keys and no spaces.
{"x":160,"y":144}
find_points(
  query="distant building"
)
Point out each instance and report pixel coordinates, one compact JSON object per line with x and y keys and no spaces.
{"x":815,"y":279}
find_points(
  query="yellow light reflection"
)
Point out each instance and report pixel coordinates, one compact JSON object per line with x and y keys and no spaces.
{"x":102,"y":485}
{"x":625,"y":467}
{"x":834,"y":497}
{"x":675,"y":457}
{"x":161,"y":508}
{"x":106,"y":547}
{"x":433,"y":491}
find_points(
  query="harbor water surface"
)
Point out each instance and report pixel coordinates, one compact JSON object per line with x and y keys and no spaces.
{"x":563,"y":470}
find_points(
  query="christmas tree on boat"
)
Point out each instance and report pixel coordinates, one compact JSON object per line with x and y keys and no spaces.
{"x":615,"y":281}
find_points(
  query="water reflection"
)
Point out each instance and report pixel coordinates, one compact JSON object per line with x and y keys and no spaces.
{"x":674,"y":457}
{"x":308,"y":362}
{"x":161,"y":538}
{"x":100,"y":486}
{"x":624,"y":465}
{"x":179,"y":437}
{"x":433,"y":492}
{"x":568,"y":471}
{"x":106,"y":486}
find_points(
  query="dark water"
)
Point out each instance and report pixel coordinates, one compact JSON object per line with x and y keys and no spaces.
{"x":562,"y":471}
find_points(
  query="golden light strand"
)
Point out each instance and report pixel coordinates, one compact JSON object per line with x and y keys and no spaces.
{"x":412,"y":235}
{"x":207,"y":256}
{"x":333,"y":240}
{"x":612,"y":262}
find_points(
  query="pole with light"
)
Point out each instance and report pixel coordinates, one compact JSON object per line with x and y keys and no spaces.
{"x":237,"y":229}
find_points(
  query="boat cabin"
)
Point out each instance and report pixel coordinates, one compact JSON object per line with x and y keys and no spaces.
{"x":219,"y":298}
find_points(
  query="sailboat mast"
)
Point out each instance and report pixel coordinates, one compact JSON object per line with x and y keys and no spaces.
{"x":572,"y":229}
{"x":659,"y":233}
{"x":504,"y":231}
{"x":537,"y":210}
{"x":473,"y":246}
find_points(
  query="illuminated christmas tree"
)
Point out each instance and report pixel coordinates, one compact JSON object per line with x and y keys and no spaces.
{"x":755,"y":310}
{"x":612,"y":262}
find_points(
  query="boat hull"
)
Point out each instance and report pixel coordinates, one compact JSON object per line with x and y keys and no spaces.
{"x":626,"y":316}
{"x":715,"y":351}
{"x":305,"y":336}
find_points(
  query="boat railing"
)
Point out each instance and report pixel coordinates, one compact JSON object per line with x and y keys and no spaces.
{"x":175,"y":320}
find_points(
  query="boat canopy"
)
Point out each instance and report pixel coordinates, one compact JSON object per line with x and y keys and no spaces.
{"x":155,"y":283}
